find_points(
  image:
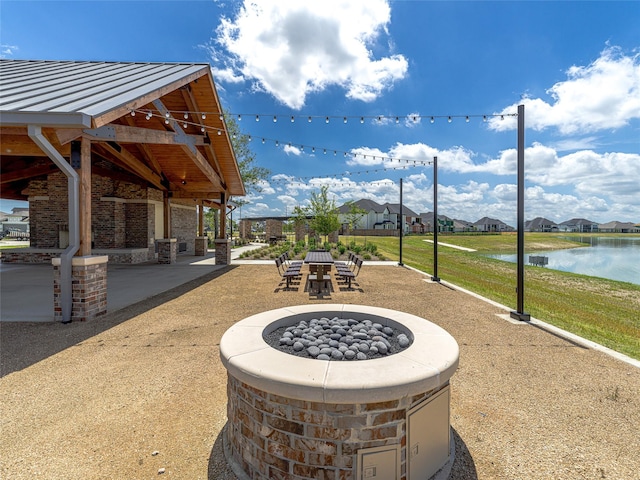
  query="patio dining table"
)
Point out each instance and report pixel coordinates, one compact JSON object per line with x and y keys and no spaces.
{"x":318,"y":256}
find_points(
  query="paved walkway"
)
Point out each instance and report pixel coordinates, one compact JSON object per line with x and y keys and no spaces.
{"x":143,"y":388}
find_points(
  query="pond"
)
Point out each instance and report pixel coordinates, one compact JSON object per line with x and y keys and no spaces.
{"x":614,"y":258}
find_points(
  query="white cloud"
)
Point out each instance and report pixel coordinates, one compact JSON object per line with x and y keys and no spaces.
{"x":7,"y":50}
{"x":290,"y":49}
{"x":600,"y":96}
{"x":292,"y":149}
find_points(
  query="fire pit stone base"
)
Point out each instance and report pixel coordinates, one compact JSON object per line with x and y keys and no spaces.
{"x":293,"y":418}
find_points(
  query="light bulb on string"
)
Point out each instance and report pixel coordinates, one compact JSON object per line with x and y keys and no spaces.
{"x":345,"y":120}
{"x":293,"y":119}
{"x":204,"y":116}
{"x":484,"y":118}
{"x":326,"y":120}
{"x":133,"y":113}
{"x":257,"y":118}
{"x":221,"y":118}
{"x":309,"y":119}
{"x":219,"y":132}
{"x":275,"y":119}
{"x":449,"y":119}
{"x":467,"y":119}
{"x":433,"y":119}
{"x":186,"y":115}
{"x":361,"y":119}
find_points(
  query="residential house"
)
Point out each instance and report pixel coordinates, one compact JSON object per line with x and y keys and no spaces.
{"x":377,"y":217}
{"x":486,"y":224}
{"x":16,"y":221}
{"x":540,"y":224}
{"x":445,"y":224}
{"x":617,"y":227}
{"x":579,"y":225}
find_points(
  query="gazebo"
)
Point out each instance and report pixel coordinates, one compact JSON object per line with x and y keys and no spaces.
{"x":117,"y":161}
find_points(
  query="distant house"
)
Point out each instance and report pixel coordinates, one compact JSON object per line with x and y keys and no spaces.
{"x":580,"y":225}
{"x":540,"y":224}
{"x":617,"y":227}
{"x":378,"y":217}
{"x":445,"y":224}
{"x":486,"y":224}
{"x":16,"y":221}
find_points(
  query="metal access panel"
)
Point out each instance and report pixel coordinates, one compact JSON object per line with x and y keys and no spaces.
{"x":428,"y":431}
{"x":379,"y":463}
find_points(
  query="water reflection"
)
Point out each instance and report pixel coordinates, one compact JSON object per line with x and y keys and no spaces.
{"x":608,"y":257}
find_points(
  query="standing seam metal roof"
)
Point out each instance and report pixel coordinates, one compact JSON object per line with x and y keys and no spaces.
{"x":91,"y":88}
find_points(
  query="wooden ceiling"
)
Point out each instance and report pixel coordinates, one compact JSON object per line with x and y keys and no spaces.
{"x":190,"y":157}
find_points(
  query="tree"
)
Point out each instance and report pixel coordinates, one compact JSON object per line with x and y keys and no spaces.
{"x":323,"y":212}
{"x":354,"y":214}
{"x":252,"y":175}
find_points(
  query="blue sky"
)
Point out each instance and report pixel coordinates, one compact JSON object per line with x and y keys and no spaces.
{"x":574,"y":65}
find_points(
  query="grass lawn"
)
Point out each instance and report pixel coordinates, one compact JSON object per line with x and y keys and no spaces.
{"x":601,"y":310}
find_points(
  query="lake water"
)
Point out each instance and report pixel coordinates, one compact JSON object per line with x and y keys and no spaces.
{"x":615,"y":258}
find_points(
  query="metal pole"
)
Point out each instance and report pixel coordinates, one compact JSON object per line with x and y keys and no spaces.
{"x":400,"y":226}
{"x":436,"y":224}
{"x":520,"y":314}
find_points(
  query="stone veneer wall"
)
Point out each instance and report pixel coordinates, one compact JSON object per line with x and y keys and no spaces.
{"x":273,"y":228}
{"x":88,"y":290}
{"x":167,"y":250}
{"x":223,"y":251}
{"x":245,"y":229}
{"x":184,"y":224}
{"x":301,"y":230}
{"x":274,"y":437}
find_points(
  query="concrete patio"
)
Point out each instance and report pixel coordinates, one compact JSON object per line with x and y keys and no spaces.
{"x":142,"y":390}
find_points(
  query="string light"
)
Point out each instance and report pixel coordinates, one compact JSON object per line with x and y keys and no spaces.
{"x":327,"y":118}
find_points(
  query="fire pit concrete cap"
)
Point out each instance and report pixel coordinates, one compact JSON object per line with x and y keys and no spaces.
{"x":428,"y":363}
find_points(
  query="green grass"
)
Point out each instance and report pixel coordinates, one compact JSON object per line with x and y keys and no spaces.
{"x":601,"y":310}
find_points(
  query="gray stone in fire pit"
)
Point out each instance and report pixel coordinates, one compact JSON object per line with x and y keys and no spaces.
{"x":338,"y":339}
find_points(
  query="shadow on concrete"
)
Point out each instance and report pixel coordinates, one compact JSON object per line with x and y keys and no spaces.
{"x":23,"y":344}
{"x":463,"y":468}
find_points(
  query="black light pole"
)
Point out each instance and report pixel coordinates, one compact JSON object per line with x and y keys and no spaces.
{"x":520,"y":314}
{"x":400,"y":225}
{"x":436,"y":224}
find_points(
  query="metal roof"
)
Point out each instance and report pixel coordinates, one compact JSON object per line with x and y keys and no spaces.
{"x":191,"y":158}
{"x":63,"y":92}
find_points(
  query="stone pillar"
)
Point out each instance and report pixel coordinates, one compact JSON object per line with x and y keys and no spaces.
{"x":273,"y":228}
{"x":245,"y":229}
{"x":89,"y":287}
{"x":333,"y":237}
{"x":167,"y":250}
{"x":301,"y":231}
{"x":223,"y":251}
{"x":201,"y":246}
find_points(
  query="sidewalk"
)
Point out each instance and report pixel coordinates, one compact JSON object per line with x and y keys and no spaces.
{"x":93,"y":400}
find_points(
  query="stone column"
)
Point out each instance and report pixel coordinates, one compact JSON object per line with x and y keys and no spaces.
{"x":89,"y":287}
{"x":201,"y":246}
{"x":167,"y":250}
{"x":223,"y":251}
{"x":301,"y":231}
{"x":245,"y":229}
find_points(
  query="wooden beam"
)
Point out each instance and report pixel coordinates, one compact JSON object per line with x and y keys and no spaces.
{"x":130,"y":134}
{"x":26,"y":173}
{"x":198,"y":159}
{"x":85,"y":197}
{"x":131,"y":163}
{"x":23,"y":146}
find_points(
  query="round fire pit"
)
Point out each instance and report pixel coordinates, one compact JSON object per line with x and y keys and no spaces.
{"x":299,"y":418}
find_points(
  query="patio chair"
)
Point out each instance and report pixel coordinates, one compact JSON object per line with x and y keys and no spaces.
{"x":349,"y":275}
{"x":287,"y":273}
